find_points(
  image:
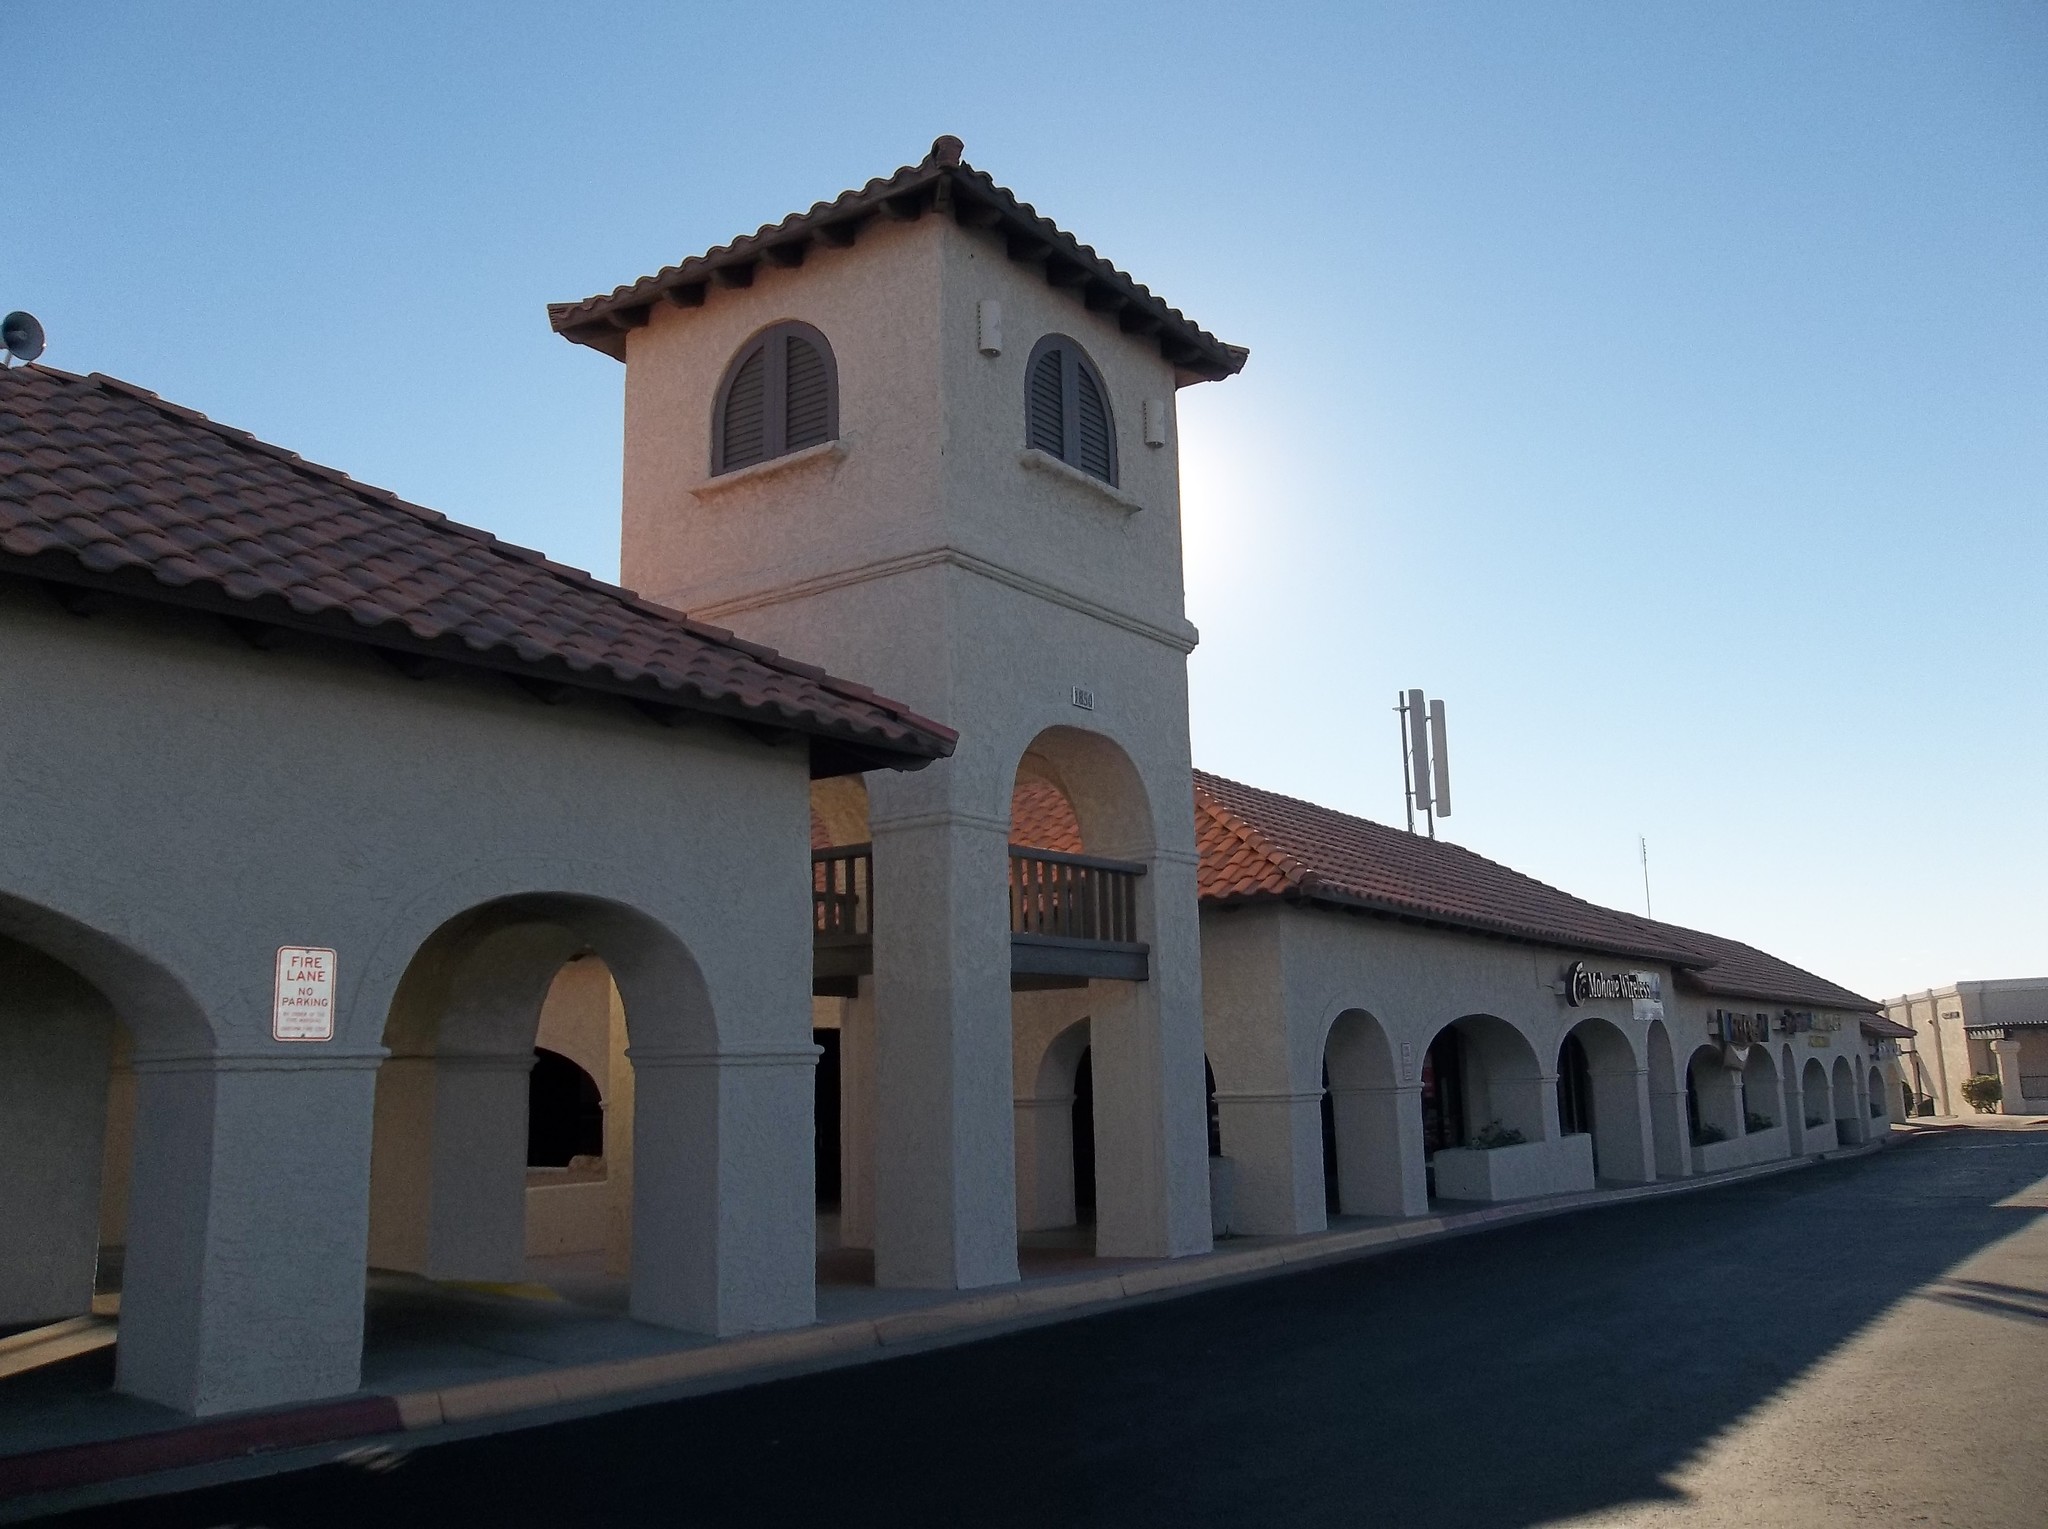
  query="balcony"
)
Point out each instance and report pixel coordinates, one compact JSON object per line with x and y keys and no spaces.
{"x":1072,"y":918}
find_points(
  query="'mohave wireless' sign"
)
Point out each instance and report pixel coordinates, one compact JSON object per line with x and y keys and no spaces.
{"x":1582,"y":984}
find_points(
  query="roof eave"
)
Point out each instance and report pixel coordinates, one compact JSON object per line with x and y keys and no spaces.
{"x":841,"y":743}
{"x":975,"y":201}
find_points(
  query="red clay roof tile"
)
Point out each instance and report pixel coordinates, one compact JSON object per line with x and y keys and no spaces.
{"x":1257,"y":845}
{"x":941,"y":180}
{"x":102,"y":482}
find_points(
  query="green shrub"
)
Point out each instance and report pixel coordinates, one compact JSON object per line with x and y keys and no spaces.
{"x":1755,"y":1122}
{"x":1494,"y":1134}
{"x":1982,"y":1093}
{"x":1707,"y":1135}
{"x":1815,"y":1122}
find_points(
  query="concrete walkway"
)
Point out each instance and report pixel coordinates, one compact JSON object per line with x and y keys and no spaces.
{"x":438,"y":1356}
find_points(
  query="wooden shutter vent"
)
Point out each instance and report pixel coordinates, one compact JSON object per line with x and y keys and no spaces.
{"x":780,"y":396}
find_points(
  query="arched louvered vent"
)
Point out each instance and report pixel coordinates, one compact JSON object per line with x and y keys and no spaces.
{"x":780,"y":395}
{"x":1047,"y":427}
{"x":1066,"y":408}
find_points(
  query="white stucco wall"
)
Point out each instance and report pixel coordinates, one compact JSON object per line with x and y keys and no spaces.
{"x":182,"y":806}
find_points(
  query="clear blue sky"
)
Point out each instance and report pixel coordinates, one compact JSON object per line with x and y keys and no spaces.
{"x":1662,"y":385}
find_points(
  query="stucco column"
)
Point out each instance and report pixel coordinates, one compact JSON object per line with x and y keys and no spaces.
{"x":857,"y":1118}
{"x":1623,"y":1146}
{"x":1045,"y":1163}
{"x":945,"y":1166}
{"x":2005,"y":1055}
{"x":246,"y":1229}
{"x":1276,"y":1140}
{"x":1380,"y":1165}
{"x":1667,"y":1127}
{"x":1151,"y":1127}
{"x":725,"y":1233}
{"x":1793,"y":1110}
{"x":56,"y":1043}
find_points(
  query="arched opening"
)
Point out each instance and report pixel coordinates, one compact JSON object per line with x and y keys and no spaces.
{"x":843,"y":1020}
{"x":1600,"y":1094}
{"x":1848,"y":1124}
{"x":1055,"y":1126}
{"x":1714,"y":1106}
{"x":499,"y":1032}
{"x":780,"y":394}
{"x":1082,"y":924}
{"x":1443,"y":1092}
{"x":104,"y":1158}
{"x":1574,"y":1088}
{"x":1670,"y":1114}
{"x":1880,"y":1102}
{"x":1368,"y":1167}
{"x":1818,"y":1103}
{"x":1760,"y":1103}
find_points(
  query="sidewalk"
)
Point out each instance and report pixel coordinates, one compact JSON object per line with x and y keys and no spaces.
{"x":442,"y":1356}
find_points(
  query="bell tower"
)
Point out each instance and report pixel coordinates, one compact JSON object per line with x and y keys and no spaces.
{"x":924,"y":435}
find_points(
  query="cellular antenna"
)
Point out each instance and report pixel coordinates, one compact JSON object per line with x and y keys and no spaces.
{"x":1425,"y":758}
{"x":21,"y":336}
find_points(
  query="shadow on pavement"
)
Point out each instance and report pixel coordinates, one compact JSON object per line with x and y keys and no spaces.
{"x":1508,"y":1379}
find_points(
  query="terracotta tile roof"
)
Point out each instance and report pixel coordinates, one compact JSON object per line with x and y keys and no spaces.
{"x":940,"y":182}
{"x":105,"y":485}
{"x":1257,"y":845}
{"x":1743,"y":971}
{"x":1042,"y":818}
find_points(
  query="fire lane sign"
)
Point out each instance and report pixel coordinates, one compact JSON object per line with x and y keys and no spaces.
{"x":302,"y":1004}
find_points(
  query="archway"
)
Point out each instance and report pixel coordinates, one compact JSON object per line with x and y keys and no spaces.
{"x":1373,"y":1161}
{"x":129,"y":1199}
{"x":1668,"y":1116}
{"x":1601,"y":1091}
{"x":1085,"y":939}
{"x":843,"y":1011}
{"x":1848,"y":1122}
{"x":1713,"y":1098}
{"x":1880,"y":1102}
{"x":1055,"y":1129}
{"x":1817,"y":1100}
{"x":449,"y":1156}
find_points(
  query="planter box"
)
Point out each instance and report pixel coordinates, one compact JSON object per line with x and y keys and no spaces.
{"x":1559,"y":1167}
{"x":1765,"y":1146}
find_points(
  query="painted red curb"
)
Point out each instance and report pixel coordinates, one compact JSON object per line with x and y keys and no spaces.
{"x":76,"y":1465}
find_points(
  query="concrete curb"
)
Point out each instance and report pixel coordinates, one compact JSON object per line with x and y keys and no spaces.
{"x":740,"y":1361}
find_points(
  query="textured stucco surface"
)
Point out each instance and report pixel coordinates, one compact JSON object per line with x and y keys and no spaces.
{"x":183,"y":805}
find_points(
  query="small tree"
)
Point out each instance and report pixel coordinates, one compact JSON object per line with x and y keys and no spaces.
{"x":1982,"y":1093}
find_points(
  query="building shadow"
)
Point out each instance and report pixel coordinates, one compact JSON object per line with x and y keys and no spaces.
{"x":1530,"y":1374}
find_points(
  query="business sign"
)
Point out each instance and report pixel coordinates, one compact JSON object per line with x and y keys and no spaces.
{"x":302,"y":1002}
{"x":1582,"y":984}
{"x":1736,"y":1027}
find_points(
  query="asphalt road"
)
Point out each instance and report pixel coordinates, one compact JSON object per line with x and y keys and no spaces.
{"x":1862,"y":1342}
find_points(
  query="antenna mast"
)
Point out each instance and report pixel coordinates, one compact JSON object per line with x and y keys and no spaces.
{"x":1643,"y":849}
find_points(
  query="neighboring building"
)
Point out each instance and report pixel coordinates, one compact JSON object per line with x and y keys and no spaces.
{"x":1997,"y":1029}
{"x":372,"y":892}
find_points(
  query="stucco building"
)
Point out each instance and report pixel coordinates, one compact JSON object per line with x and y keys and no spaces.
{"x":1976,"y":1029}
{"x":374,"y":894}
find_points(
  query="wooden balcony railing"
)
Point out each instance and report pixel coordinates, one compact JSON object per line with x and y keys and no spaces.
{"x":1073,"y":897}
{"x":1072,"y":917}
